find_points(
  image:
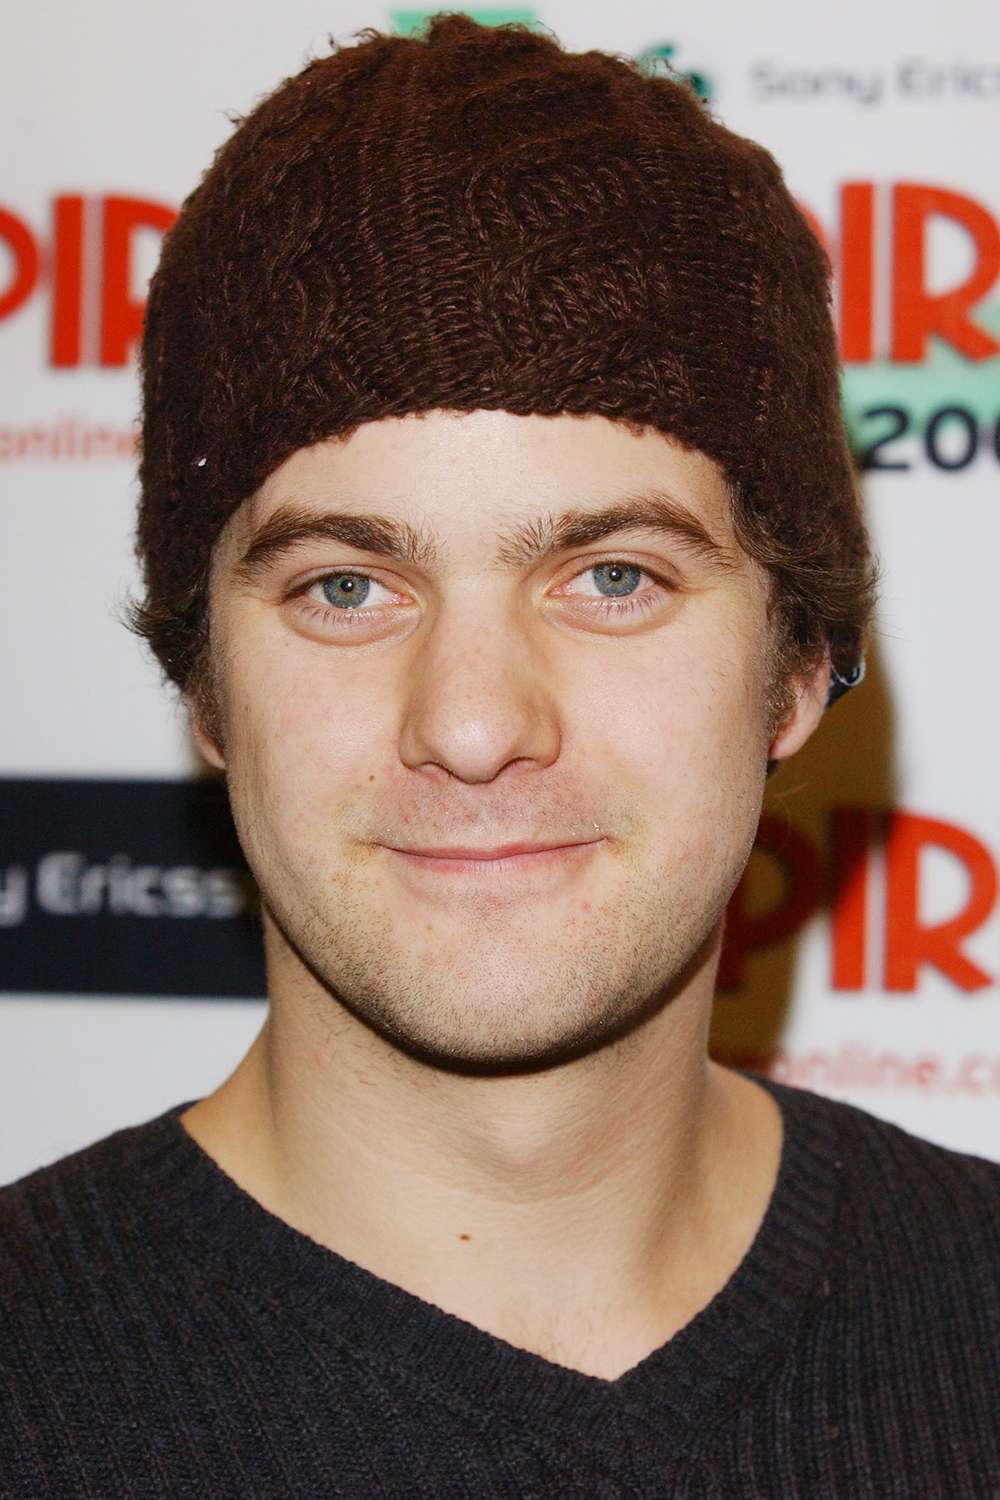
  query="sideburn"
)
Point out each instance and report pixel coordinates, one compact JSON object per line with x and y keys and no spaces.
{"x":203,"y":700}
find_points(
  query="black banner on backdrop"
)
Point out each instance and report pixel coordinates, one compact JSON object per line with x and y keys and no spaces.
{"x":125,"y":888}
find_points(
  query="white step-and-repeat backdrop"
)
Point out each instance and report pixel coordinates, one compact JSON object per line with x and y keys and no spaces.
{"x":863,"y":956}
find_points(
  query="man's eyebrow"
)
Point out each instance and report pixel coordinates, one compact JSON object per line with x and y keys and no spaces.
{"x":652,"y":510}
{"x":290,"y":525}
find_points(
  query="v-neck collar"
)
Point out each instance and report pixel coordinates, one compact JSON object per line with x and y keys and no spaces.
{"x":688,"y":1383}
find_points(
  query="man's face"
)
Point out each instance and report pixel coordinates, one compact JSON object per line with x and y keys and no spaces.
{"x":507,"y":681}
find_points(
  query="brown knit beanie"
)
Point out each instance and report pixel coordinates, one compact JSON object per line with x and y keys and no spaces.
{"x":474,"y":217}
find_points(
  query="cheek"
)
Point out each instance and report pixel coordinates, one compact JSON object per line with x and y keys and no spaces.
{"x":684,"y":713}
{"x":303,"y":744}
{"x":687,"y":737}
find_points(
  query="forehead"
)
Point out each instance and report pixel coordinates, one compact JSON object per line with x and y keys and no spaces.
{"x":461,"y":476}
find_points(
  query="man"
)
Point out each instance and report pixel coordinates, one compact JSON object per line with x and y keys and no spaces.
{"x":500,"y":532}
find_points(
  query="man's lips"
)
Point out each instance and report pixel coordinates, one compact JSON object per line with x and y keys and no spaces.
{"x":524,"y":865}
{"x":503,"y":851}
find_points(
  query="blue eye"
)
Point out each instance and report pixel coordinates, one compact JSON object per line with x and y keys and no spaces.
{"x":622,"y":577}
{"x":345,"y":590}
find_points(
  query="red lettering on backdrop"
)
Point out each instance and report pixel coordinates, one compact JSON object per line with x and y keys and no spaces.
{"x":909,"y":943}
{"x":747,"y":931}
{"x":857,"y":270}
{"x":851,"y":830}
{"x":27,"y":263}
{"x":917,"y":313}
{"x":121,"y":313}
{"x":67,"y":280}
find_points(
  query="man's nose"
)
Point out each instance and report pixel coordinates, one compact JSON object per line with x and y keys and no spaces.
{"x":481,"y":694}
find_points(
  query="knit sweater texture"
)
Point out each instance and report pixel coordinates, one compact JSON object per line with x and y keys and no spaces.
{"x":163,"y":1334}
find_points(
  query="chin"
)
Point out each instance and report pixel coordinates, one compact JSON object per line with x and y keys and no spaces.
{"x":498,"y":1046}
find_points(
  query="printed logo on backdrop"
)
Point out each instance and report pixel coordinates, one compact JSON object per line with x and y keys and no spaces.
{"x":911,"y":80}
{"x":83,"y":263}
{"x":82,"y":258}
{"x":906,"y":895}
{"x":125,"y":888}
{"x":901,"y":906}
{"x":916,"y":271}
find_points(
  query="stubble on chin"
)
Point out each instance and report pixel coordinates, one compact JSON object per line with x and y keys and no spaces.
{"x":493,"y":994}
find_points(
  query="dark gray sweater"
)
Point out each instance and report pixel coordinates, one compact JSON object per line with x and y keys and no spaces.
{"x":162,"y":1334}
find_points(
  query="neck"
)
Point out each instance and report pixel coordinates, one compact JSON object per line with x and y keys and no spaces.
{"x":585,"y":1212}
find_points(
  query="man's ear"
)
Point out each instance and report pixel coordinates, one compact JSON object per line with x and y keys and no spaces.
{"x":810,"y":690}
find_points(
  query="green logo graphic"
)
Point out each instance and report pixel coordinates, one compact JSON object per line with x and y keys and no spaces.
{"x":660,"y":59}
{"x":407,"y":22}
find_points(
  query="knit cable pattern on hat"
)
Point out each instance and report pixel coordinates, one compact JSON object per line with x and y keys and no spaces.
{"x":477,"y":218}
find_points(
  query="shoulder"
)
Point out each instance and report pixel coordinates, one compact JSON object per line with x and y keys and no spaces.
{"x":924,"y":1216}
{"x":102,"y":1165}
{"x":898,"y":1171}
{"x":64,"y":1228}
